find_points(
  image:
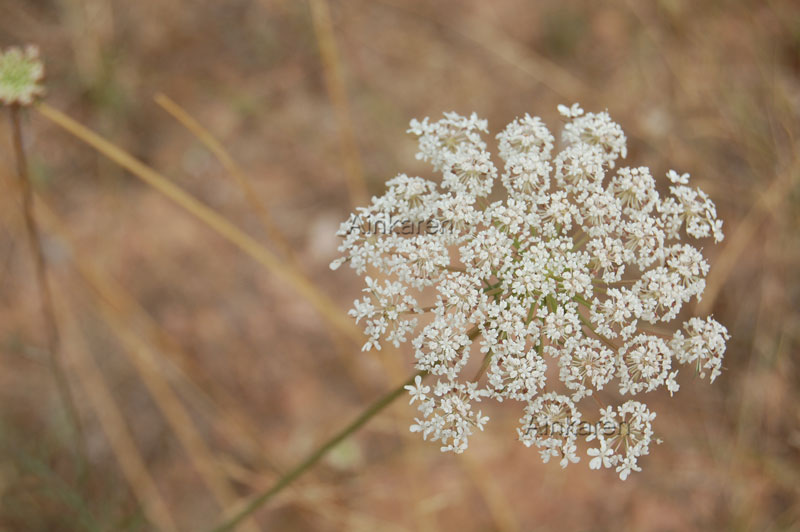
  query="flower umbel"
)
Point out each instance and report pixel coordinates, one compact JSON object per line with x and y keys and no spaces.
{"x":21,"y":74}
{"x":582,"y":268}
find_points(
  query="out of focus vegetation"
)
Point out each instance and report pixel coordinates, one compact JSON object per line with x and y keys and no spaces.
{"x":200,"y":377}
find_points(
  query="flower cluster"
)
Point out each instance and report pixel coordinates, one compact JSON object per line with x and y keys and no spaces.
{"x":21,"y":74}
{"x":564,"y":288}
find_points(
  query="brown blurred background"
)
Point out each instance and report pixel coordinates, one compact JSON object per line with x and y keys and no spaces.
{"x":236,"y":378}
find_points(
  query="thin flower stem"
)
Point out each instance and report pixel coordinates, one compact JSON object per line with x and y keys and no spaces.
{"x":582,"y":240}
{"x":589,"y":325}
{"x":314,"y":457}
{"x":494,"y":291}
{"x":46,"y":297}
{"x":422,"y":310}
{"x":623,"y":282}
{"x":473,"y":333}
{"x":602,"y":338}
{"x":656,"y":332}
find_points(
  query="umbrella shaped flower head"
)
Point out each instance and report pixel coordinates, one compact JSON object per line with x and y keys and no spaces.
{"x":562,"y":291}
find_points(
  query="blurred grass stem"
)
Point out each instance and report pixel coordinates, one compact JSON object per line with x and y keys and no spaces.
{"x":235,"y":171}
{"x":212,"y":401}
{"x":45,"y":295}
{"x":132,"y":464}
{"x":210,"y":217}
{"x":272,"y":230}
{"x":337,"y":93}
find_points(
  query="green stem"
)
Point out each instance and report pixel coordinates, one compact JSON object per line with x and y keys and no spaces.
{"x":584,"y":238}
{"x":314,"y":457}
{"x":602,"y":338}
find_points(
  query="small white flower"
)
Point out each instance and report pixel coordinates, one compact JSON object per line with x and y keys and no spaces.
{"x":602,"y":456}
{"x":589,"y":366}
{"x":625,"y":436}
{"x":644,"y":364}
{"x":704,"y":346}
{"x":418,"y":391}
{"x":551,"y":422}
{"x":680,"y":179}
{"x":570,"y":112}
{"x":21,"y":75}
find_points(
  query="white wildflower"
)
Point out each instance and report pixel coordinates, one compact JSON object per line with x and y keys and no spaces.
{"x":704,"y":345}
{"x":570,"y":112}
{"x":418,"y":391}
{"x":551,"y":423}
{"x":624,"y":435}
{"x":568,"y":271}
{"x":589,"y":366}
{"x":644,"y":364}
{"x":21,"y":75}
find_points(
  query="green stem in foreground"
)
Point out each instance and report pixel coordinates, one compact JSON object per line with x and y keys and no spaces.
{"x":314,"y":457}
